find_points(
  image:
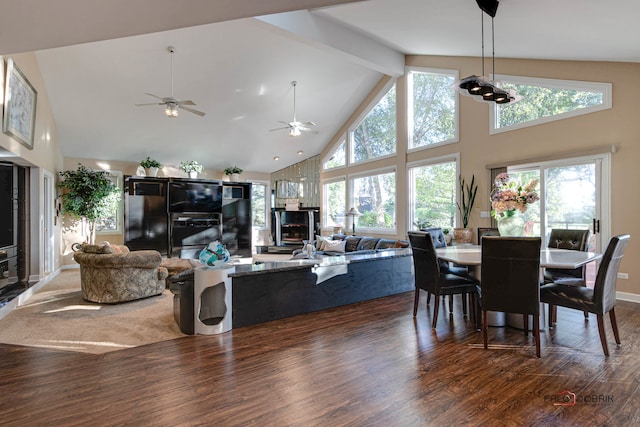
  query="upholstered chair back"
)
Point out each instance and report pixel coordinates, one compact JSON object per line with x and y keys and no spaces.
{"x":604,"y":290}
{"x":510,"y":274}
{"x":425,"y":262}
{"x":575,"y":240}
{"x":437,"y":235}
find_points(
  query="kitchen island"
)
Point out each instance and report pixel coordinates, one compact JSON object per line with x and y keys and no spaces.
{"x":271,"y":290}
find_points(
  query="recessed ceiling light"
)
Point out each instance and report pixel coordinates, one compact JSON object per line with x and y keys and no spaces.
{"x":300,"y":152}
{"x":276,"y":158}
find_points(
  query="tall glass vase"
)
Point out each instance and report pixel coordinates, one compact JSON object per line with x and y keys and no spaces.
{"x":510,"y":224}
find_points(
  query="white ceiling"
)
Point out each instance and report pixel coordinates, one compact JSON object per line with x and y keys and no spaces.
{"x":239,"y":72}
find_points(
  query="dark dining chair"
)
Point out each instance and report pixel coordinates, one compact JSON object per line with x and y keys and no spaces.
{"x":486,"y":231}
{"x":599,"y":300}
{"x":439,"y":241}
{"x":429,"y":277}
{"x":510,"y":280}
{"x":575,"y":240}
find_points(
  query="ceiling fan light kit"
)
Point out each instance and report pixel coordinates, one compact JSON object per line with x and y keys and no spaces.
{"x":295,"y":127}
{"x":482,"y":88}
{"x":171,"y":110}
{"x":170,"y":103}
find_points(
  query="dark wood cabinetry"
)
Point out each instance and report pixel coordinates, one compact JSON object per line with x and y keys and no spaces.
{"x":12,"y":224}
{"x":146,"y":220}
{"x":179,"y":217}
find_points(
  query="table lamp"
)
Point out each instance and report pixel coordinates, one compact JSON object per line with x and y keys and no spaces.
{"x":353,"y":212}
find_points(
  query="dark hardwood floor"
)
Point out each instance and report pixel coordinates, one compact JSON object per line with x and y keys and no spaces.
{"x":366,"y":364}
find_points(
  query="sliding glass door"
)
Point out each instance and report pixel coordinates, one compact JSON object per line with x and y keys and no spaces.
{"x":571,"y":197}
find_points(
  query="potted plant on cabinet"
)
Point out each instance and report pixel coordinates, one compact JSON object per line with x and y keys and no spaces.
{"x":233,"y":172}
{"x":468,"y":198}
{"x":150,"y":166}
{"x":191,"y":168}
{"x":88,"y":195}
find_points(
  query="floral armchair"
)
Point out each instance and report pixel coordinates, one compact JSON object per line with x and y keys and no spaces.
{"x":111,"y":273}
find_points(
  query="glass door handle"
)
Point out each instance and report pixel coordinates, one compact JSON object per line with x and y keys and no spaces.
{"x":596,"y":226}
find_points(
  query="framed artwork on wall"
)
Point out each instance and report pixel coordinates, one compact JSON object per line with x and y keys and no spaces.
{"x":19,"y":106}
{"x":1,"y":84}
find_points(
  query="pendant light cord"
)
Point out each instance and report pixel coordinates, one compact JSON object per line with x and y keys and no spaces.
{"x":171,"y":72}
{"x":294,"y":101}
{"x":493,"y":53}
{"x":482,"y":29}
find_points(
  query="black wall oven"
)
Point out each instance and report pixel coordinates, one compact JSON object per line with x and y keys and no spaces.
{"x":190,"y":233}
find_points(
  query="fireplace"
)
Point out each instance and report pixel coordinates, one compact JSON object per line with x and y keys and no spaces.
{"x":290,"y":228}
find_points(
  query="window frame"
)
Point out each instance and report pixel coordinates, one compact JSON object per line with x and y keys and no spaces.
{"x":323,"y":208}
{"x":267,"y":203}
{"x":119,"y":183}
{"x":455,"y":157}
{"x":603,"y":87}
{"x":343,"y":139}
{"x":351,"y":196}
{"x":409,"y":107}
{"x":357,"y":122}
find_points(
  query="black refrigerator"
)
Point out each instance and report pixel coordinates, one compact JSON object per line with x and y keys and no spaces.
{"x":236,"y":218}
{"x":146,"y":216}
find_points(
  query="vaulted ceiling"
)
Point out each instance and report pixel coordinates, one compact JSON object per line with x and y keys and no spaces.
{"x":99,"y":58}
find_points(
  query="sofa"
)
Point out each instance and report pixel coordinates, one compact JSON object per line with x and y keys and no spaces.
{"x":341,"y":244}
{"x":112,"y":274}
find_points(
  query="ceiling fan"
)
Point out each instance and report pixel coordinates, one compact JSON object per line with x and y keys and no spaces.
{"x":170,"y":102}
{"x":295,"y":127}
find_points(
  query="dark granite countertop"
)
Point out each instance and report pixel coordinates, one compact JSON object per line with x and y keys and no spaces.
{"x":319,"y":261}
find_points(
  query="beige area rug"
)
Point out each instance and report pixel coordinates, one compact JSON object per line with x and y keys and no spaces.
{"x":57,"y":317}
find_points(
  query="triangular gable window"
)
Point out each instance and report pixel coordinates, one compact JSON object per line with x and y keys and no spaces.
{"x":546,"y":100}
{"x":337,"y":158}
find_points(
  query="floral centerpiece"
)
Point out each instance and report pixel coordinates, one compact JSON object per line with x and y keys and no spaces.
{"x":191,"y":166}
{"x":509,"y":198}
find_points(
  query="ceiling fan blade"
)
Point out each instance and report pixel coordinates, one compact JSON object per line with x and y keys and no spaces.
{"x":191,"y":110}
{"x":285,"y":123}
{"x":308,"y":130}
{"x":153,"y":103}
{"x":187,"y":102}
{"x":271,"y":130}
{"x":308,"y":124}
{"x":155,"y":96}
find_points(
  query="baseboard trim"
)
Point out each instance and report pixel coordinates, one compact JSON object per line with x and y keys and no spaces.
{"x":23,"y":297}
{"x":626,"y":296}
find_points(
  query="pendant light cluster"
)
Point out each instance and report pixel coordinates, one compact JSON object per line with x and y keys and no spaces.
{"x":482,"y":88}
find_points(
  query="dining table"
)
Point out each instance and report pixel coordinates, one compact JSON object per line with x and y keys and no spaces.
{"x":471,"y":256}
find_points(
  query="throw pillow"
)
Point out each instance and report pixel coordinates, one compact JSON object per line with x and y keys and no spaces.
{"x":95,"y":249}
{"x":319,"y":240}
{"x":401,"y":244}
{"x":333,"y":245}
{"x":116,"y":249}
